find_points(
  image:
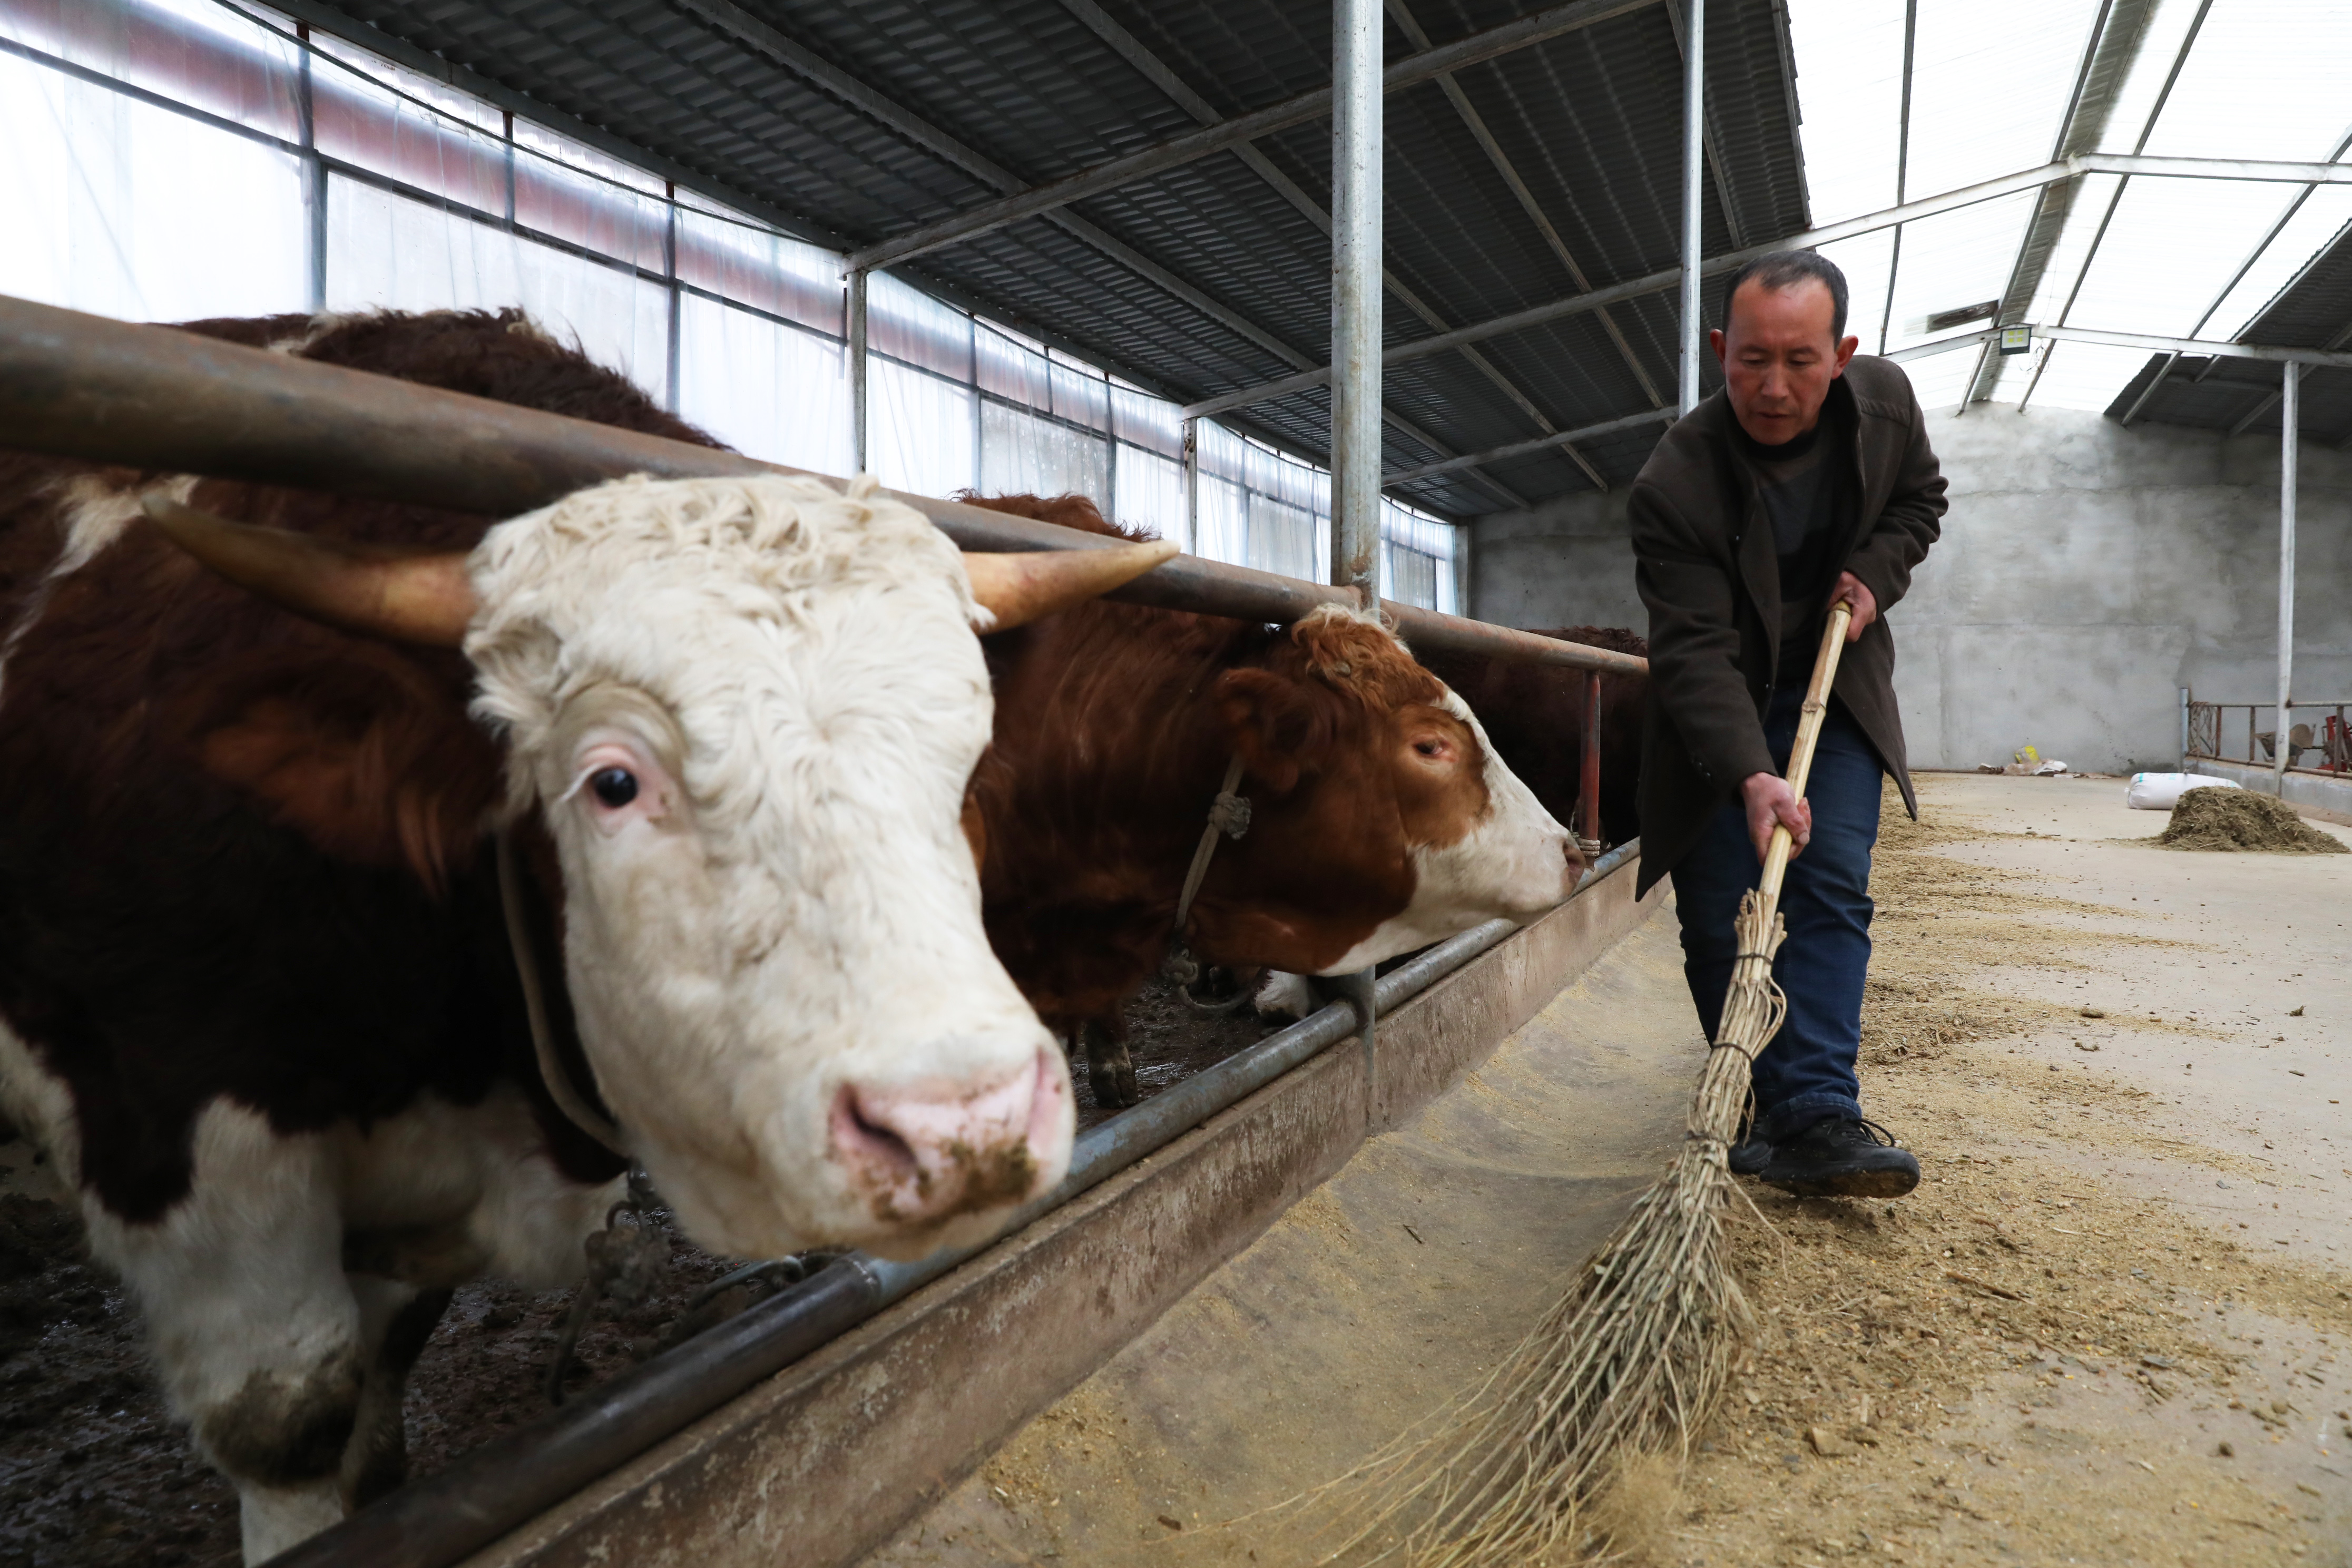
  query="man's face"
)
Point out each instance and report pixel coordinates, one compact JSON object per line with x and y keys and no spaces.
{"x":1779,"y":357}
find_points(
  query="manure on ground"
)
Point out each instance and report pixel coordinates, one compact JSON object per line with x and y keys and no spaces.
{"x":2242,"y":819}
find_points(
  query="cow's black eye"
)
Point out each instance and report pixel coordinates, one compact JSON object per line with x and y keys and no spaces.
{"x":615,"y":787}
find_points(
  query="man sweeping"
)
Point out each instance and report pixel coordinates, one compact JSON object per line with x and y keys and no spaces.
{"x":1805,"y":481}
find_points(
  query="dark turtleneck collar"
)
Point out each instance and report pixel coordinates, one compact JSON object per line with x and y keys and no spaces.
{"x":1796,"y":446}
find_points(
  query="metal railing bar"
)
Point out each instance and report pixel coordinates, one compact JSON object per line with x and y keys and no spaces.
{"x":86,"y":386}
{"x":483,"y":1494}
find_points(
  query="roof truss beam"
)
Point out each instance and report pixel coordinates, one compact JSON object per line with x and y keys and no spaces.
{"x":2107,"y":59}
{"x":2332,"y":357}
{"x":1869,"y":222}
{"x":1523,"y":33}
{"x":1530,"y":449}
{"x":1155,"y":70}
{"x":2115,"y":197}
{"x":733,"y":22}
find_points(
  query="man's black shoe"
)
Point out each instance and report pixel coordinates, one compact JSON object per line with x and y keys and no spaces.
{"x":1843,"y":1156}
{"x":1750,"y":1159}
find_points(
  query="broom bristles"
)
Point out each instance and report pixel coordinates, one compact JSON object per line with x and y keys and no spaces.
{"x":1631,"y":1360}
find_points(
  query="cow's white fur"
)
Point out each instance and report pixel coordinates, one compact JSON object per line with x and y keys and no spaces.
{"x":804,"y":664}
{"x":808,"y":915}
{"x":243,"y":1280}
{"x":1281,"y":995}
{"x":92,"y":515}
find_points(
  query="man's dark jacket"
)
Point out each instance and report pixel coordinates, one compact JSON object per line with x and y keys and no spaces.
{"x":1705,"y":562}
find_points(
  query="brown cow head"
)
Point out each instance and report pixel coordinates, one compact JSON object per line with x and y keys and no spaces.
{"x":1382,"y":818}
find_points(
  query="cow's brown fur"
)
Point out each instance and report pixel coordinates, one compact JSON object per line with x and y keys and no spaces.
{"x":241,"y":854}
{"x":1533,"y":714}
{"x":1114,"y":727}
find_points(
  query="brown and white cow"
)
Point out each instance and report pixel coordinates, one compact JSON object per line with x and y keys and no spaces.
{"x":1535,"y":716}
{"x":258,"y":1000}
{"x":1382,"y":817}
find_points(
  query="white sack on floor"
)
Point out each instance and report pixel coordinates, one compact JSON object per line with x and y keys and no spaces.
{"x":2162,"y":791}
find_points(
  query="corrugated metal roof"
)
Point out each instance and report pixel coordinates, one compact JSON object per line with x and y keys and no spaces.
{"x":1590,"y":121}
{"x":2312,"y":311}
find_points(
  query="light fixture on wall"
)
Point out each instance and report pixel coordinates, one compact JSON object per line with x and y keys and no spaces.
{"x":2016,"y":339}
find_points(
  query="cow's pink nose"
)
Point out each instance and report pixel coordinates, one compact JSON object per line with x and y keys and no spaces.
{"x":925,"y":1154}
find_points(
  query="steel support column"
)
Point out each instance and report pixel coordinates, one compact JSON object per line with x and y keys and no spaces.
{"x":1192,"y":486}
{"x":1693,"y":182}
{"x":1902,"y":166}
{"x":1357,"y":105}
{"x":2291,"y":399}
{"x":857,"y":334}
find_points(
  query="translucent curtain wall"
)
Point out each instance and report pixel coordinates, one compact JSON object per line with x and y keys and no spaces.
{"x":169,"y":160}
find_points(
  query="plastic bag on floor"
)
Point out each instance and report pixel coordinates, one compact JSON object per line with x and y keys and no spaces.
{"x":2162,"y":791}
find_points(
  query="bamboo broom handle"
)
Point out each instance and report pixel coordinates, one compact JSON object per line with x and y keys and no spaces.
{"x":1809,"y":733}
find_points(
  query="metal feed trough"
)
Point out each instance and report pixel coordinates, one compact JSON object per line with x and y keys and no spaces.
{"x":84,"y":387}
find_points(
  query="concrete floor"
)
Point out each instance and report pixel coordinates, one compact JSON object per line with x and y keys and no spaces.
{"x":2207,"y":1023}
{"x":1366,"y":1305}
{"x":1394,"y":1285}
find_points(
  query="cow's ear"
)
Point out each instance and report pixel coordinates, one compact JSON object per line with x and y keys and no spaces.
{"x":371,"y":759}
{"x":1280,"y":727}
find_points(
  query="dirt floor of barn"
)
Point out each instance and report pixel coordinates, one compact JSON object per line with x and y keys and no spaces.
{"x":94,"y":1473}
{"x":2110,"y":1327}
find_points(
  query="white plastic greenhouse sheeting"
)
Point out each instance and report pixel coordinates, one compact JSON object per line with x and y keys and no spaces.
{"x":126,"y":206}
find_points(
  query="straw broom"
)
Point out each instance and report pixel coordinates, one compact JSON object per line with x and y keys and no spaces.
{"x":1633,"y":1357}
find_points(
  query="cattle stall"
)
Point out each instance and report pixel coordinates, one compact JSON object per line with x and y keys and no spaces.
{"x":1070,"y":295}
{"x":163,"y":401}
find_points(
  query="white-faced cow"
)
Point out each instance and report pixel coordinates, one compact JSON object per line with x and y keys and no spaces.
{"x":257,"y":996}
{"x":1380,"y":818}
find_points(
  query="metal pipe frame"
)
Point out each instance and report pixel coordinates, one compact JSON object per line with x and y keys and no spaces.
{"x":1357,"y":117}
{"x":1540,"y":444}
{"x":1868,"y":223}
{"x":85,"y":387}
{"x":442,"y":1518}
{"x":1902,"y":166}
{"x":2115,"y":197}
{"x":2115,"y":37}
{"x":2230,"y":288}
{"x":1131,"y":49}
{"x":2289,"y":418}
{"x":1694,"y":238}
{"x":1475,"y":123}
{"x":1192,"y":146}
{"x":855,"y":325}
{"x":2332,"y":357}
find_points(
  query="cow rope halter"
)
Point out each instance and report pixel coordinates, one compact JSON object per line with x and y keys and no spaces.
{"x":575,"y":1106}
{"x":1229,"y":816}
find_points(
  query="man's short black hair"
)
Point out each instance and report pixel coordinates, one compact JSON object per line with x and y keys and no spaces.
{"x":1781,"y":270}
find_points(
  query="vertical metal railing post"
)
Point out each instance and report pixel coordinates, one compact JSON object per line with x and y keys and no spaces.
{"x":1192,"y":486}
{"x":677,"y":290}
{"x":2290,"y":410}
{"x":1694,"y":128}
{"x":2184,"y":729}
{"x":1357,"y":33}
{"x":1357,"y":97}
{"x":1587,"y":804}
{"x":314,"y":181}
{"x":855,"y":332}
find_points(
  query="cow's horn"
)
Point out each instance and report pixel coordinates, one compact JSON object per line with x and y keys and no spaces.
{"x":1019,"y":587}
{"x":405,"y":596}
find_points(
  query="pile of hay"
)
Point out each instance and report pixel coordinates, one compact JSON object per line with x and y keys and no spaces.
{"x":2242,"y":819}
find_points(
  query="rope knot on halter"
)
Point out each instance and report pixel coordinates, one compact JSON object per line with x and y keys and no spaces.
{"x":1229,"y":815}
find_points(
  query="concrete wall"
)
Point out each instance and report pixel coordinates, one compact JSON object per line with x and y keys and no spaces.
{"x":2086,"y":572}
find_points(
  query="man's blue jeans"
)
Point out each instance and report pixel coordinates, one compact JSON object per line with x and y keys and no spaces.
{"x":1808,"y":1070}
